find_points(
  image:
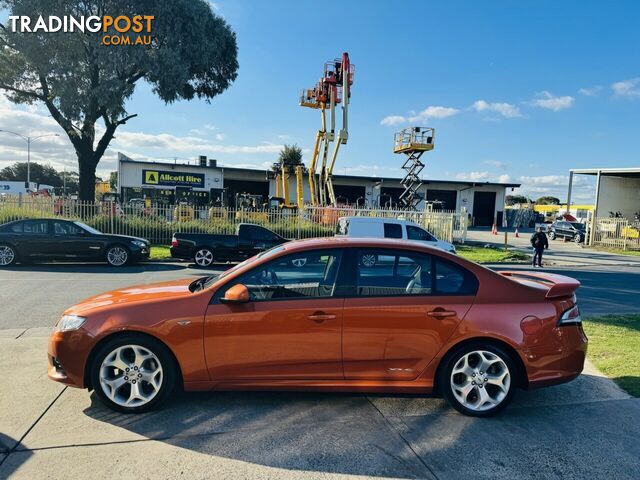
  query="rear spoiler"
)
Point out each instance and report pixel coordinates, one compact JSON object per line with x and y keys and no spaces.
{"x":559,"y":285}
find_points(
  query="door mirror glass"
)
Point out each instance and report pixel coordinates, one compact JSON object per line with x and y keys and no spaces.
{"x":237,"y":294}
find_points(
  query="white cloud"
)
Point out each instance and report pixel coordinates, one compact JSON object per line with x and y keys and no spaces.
{"x":547,"y":100}
{"x":556,"y":185}
{"x":433,"y":111}
{"x":591,"y":91}
{"x":497,"y":164}
{"x":220,"y":136}
{"x":627,"y":88}
{"x":473,"y":176}
{"x":505,"y":179}
{"x":507,"y":110}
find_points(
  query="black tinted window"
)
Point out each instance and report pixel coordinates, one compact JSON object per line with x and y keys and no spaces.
{"x":302,"y":275}
{"x":66,"y":228}
{"x":391,"y":273}
{"x":392,"y":230}
{"x":452,"y":279}
{"x":261,"y":234}
{"x":35,"y":226}
{"x":417,"y":233}
{"x":12,"y":227}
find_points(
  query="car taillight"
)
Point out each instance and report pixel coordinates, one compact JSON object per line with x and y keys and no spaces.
{"x":570,"y":317}
{"x":174,"y":242}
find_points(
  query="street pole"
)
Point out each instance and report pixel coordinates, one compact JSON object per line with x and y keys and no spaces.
{"x":29,"y":162}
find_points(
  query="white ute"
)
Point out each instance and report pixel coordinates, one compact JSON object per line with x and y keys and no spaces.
{"x":369,"y":227}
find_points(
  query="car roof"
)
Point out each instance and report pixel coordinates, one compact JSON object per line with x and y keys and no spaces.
{"x":341,"y":242}
{"x":378,"y":219}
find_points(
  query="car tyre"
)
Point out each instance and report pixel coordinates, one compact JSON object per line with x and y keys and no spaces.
{"x":8,"y":255}
{"x":117,"y":255}
{"x":203,"y":257}
{"x":552,"y":235}
{"x":577,"y":239}
{"x":133,"y":373}
{"x":478,"y":379}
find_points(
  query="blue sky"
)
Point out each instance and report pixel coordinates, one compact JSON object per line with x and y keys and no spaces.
{"x":517,"y":91}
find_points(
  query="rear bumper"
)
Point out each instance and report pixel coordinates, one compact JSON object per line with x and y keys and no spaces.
{"x":558,"y":362}
{"x":182,"y":253}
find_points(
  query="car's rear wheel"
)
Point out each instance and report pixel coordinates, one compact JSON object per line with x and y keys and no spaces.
{"x":133,"y":374}
{"x":478,"y":380}
{"x":117,"y":256}
{"x":552,"y":235}
{"x":203,"y":257}
{"x":8,"y":255}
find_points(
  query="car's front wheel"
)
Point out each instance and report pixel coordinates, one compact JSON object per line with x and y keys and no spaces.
{"x":8,"y":255}
{"x":203,"y":257}
{"x":478,"y":380}
{"x":552,"y":235}
{"x":117,"y":256}
{"x":133,"y":374}
{"x":577,"y":239}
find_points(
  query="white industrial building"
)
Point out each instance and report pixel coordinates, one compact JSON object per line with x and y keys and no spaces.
{"x":207,"y":183}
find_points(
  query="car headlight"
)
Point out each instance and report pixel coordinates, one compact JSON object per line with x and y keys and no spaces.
{"x":70,"y":322}
{"x":139,"y":243}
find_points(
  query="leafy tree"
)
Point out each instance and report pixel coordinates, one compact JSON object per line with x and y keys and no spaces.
{"x":193,"y":53}
{"x":39,"y":174}
{"x":113,"y":180}
{"x":290,"y":156}
{"x":515,"y":199}
{"x":548,"y":200}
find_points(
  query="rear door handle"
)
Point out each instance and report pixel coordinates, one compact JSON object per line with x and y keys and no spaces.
{"x":441,"y":313}
{"x":320,"y":317}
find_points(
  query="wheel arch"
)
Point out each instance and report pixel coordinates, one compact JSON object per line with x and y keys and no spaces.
{"x":522,"y":379}
{"x":107,"y":338}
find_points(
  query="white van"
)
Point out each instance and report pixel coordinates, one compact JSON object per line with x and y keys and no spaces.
{"x":369,"y":227}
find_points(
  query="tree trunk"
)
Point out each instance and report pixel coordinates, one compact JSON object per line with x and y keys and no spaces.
{"x":87,"y":170}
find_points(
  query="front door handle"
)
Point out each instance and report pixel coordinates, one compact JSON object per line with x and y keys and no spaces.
{"x":320,"y":317}
{"x":441,"y":313}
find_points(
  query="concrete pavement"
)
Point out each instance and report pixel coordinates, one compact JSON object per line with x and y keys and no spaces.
{"x":584,"y":429}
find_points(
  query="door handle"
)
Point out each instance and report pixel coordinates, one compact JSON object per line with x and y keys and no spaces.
{"x":320,"y":317}
{"x":441,"y":313}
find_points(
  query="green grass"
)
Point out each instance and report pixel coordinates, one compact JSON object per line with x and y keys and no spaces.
{"x":619,"y":251}
{"x":614,"y":347}
{"x":159,"y":252}
{"x":490,"y":255}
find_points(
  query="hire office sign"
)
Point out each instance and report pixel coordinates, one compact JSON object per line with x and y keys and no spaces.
{"x":172,"y":179}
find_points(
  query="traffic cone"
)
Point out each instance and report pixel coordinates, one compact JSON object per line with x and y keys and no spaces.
{"x":517,"y":236}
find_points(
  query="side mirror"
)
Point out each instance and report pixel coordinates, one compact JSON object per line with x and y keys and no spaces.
{"x":237,"y":294}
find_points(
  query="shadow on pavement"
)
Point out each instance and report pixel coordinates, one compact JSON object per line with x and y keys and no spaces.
{"x":399,"y":435}
{"x":94,"y":267}
{"x":7,"y":444}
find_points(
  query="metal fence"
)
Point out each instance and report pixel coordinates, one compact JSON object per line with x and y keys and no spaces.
{"x":157,"y":223}
{"x":616,"y":233}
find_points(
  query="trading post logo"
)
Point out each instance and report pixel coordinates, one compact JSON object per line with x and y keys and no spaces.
{"x":120,"y":30}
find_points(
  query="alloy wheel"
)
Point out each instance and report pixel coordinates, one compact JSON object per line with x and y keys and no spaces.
{"x":7,"y":255}
{"x":203,"y":257}
{"x":368,"y":260}
{"x":131,"y":376}
{"x":117,"y":256}
{"x":480,"y":380}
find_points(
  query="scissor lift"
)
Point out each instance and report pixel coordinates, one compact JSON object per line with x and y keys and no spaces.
{"x":413,"y":142}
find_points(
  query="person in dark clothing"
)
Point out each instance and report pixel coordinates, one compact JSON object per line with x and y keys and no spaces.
{"x":539,"y":242}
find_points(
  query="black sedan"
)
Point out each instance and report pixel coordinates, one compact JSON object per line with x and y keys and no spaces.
{"x":575,"y":231}
{"x":45,"y":239}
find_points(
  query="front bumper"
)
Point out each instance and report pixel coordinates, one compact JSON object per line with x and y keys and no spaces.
{"x":560,"y":361}
{"x":67,"y":355}
{"x":139,"y":254}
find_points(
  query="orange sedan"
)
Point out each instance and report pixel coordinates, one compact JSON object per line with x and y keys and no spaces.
{"x":328,"y":314}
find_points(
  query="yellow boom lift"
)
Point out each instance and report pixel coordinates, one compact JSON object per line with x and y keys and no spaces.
{"x":333,"y":88}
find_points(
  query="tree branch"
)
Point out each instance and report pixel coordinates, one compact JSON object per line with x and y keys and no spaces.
{"x":28,"y":93}
{"x":124,"y":120}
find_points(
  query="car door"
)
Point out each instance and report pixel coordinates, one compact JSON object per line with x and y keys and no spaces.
{"x":402,"y":309}
{"x":289,"y":330}
{"x":71,"y":241}
{"x":35,"y":241}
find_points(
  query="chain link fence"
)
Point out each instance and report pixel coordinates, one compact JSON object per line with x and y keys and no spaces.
{"x":157,"y":223}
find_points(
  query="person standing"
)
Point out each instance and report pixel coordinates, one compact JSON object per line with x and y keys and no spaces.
{"x":539,"y":242}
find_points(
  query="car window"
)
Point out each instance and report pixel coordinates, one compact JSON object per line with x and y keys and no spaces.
{"x":13,"y":227}
{"x":309,"y":274}
{"x":260,"y":234}
{"x":35,"y":226}
{"x":389,"y":273}
{"x":452,"y":279}
{"x":417,"y":233}
{"x":392,"y":230}
{"x":66,"y":228}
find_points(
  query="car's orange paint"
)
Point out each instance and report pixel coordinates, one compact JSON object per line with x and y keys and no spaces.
{"x":349,"y":344}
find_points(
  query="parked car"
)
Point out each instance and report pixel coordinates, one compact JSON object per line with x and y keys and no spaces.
{"x":53,"y":239}
{"x":206,"y":248}
{"x":575,"y":231}
{"x":370,"y":227}
{"x":419,"y":318}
